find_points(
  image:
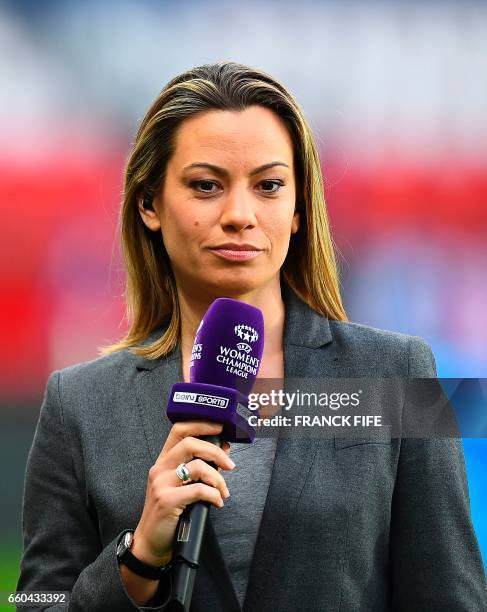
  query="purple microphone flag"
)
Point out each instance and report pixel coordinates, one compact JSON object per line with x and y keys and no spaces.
{"x":225,"y":360}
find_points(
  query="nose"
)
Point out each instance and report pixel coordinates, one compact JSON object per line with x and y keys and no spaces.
{"x":238,"y":212}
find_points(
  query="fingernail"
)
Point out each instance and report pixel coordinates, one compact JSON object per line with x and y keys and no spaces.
{"x":227,"y":494}
{"x":231,"y":463}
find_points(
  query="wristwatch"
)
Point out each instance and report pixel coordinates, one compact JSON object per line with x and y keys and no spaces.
{"x":140,"y":568}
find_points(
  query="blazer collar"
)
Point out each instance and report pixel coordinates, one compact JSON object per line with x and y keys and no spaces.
{"x":302,"y":325}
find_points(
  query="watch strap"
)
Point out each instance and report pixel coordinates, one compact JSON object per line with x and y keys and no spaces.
{"x":140,"y":567}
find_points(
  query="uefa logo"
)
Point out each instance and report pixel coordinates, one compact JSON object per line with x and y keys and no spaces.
{"x":246,"y":333}
{"x":243,"y":346}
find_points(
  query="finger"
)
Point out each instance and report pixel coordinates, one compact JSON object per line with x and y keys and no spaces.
{"x":199,"y":470}
{"x":226,"y":449}
{"x":198,"y":491}
{"x":190,"y":447}
{"x":182,"y":430}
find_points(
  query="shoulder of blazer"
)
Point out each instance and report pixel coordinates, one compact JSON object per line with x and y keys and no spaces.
{"x":390,"y":353}
{"x":105,"y":374}
{"x":106,"y":365}
{"x":360,"y":350}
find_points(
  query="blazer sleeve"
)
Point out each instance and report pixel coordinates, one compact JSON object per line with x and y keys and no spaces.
{"x":435,"y":559}
{"x":62,"y":549}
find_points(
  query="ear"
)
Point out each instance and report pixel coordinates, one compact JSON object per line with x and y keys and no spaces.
{"x":149,"y":215}
{"x":295,"y":222}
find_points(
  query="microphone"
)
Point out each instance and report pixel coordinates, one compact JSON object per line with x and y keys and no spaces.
{"x":225,"y":360}
{"x":224,"y":364}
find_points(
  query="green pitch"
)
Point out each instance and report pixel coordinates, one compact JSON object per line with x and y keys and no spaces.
{"x":9,"y":570}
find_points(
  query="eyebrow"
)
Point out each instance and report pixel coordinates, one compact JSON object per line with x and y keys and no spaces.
{"x":222,"y":172}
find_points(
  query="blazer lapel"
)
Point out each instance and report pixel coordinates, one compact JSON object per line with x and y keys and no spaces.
{"x":153,"y":385}
{"x":304,"y":334}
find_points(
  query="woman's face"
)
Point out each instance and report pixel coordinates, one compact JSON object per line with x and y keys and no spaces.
{"x":227,"y":207}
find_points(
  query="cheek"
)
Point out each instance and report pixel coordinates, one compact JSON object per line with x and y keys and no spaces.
{"x":279,"y":231}
{"x":176,"y":223}
{"x":182,"y":231}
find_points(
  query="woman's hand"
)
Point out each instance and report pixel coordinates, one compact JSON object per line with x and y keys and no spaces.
{"x":166,"y":496}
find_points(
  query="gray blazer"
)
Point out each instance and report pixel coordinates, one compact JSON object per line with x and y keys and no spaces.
{"x":365,"y":527}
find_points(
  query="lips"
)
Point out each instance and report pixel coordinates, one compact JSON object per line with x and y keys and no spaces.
{"x":236,"y":252}
{"x":232,"y":246}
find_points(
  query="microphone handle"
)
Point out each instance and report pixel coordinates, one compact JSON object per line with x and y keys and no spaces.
{"x":187,"y":546}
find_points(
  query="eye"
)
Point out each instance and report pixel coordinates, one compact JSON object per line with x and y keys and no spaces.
{"x":206,"y":186}
{"x":271,"y":186}
{"x":203,"y":186}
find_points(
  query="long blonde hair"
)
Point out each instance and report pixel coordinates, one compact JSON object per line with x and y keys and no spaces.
{"x":150,"y":294}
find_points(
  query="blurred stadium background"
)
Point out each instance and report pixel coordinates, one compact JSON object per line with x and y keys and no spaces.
{"x":396,"y":93}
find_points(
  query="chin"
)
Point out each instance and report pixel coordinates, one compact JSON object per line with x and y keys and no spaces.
{"x":236,"y":283}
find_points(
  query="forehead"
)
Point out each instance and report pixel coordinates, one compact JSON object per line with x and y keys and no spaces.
{"x":255,"y":133}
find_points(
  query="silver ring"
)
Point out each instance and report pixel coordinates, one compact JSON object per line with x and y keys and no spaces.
{"x":182,"y":472}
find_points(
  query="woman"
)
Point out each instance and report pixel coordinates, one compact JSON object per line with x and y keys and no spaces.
{"x":223,"y":197}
